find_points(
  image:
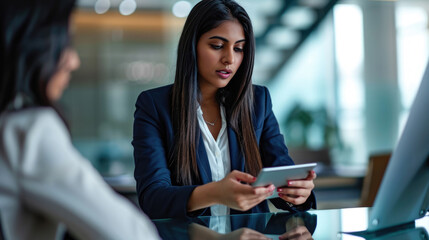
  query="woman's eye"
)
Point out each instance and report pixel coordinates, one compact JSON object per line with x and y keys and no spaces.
{"x":238,"y":49}
{"x":216,"y":46}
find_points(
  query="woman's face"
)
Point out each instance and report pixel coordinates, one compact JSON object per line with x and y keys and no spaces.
{"x":69,"y":62}
{"x":219,"y":54}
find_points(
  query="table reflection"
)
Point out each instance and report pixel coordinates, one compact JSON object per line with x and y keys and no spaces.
{"x":331,"y":224}
{"x":247,"y":226}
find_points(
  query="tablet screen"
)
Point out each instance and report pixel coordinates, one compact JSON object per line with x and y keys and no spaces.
{"x":280,"y":175}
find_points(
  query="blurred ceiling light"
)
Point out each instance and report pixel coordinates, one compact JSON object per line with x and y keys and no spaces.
{"x":298,"y":17}
{"x":102,"y":6}
{"x":283,"y":38}
{"x":181,"y":9}
{"x":127,"y":7}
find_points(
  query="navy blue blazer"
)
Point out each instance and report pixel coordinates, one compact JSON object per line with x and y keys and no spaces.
{"x":153,"y":139}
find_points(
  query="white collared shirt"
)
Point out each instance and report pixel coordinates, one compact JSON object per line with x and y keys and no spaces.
{"x":217,"y":154}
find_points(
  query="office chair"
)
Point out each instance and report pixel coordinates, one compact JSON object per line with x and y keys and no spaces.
{"x":376,"y":167}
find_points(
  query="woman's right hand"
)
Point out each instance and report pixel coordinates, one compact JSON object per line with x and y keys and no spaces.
{"x":233,"y":191}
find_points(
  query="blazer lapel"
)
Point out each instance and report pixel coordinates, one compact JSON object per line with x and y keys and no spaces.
{"x":203,"y":162}
{"x":237,"y":159}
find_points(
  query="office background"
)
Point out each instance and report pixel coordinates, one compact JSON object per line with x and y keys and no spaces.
{"x":342,"y":75}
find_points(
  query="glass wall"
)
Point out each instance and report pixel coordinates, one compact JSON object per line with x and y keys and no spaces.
{"x":120,"y":57}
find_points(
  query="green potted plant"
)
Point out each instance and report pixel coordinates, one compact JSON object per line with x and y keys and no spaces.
{"x":311,"y":134}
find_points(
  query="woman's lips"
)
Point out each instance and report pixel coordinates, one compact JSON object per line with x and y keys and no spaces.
{"x":224,"y":74}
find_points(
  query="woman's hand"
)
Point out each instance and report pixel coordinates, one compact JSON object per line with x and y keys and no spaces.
{"x":235,"y":194}
{"x":296,"y":230}
{"x":298,"y":191}
{"x":245,"y":234}
{"x":298,"y":233}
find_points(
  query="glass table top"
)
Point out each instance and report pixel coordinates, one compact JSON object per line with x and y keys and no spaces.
{"x":317,"y":224}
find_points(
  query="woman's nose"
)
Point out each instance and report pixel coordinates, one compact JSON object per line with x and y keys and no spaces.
{"x":74,"y":62}
{"x":228,"y":57}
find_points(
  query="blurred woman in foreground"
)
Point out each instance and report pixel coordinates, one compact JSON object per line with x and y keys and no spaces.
{"x":44,"y":181}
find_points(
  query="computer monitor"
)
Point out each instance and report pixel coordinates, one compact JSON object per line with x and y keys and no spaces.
{"x":403,"y":193}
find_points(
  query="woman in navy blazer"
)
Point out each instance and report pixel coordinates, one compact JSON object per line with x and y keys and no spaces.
{"x":212,"y":100}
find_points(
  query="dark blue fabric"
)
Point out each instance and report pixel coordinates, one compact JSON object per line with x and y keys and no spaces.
{"x":153,"y":138}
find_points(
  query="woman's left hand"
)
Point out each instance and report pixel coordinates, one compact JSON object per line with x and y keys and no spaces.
{"x":297,"y":191}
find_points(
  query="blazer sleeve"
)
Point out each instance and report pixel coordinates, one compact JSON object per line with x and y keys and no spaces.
{"x":275,"y":153}
{"x":55,"y":180}
{"x":158,"y":197}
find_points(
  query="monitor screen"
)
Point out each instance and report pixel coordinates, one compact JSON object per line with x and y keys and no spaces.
{"x":403,"y":193}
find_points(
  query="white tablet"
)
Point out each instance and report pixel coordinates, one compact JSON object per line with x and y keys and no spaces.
{"x":280,"y":175}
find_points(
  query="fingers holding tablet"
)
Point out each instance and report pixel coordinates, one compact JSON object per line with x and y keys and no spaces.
{"x":298,"y":176}
{"x":297,"y":191}
{"x":294,"y":199}
{"x":235,"y":192}
{"x":303,"y":183}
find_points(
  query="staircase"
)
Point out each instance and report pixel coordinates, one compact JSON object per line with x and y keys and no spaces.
{"x":287,"y":29}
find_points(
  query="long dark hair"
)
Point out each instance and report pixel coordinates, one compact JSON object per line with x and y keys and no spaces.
{"x":33,"y":36}
{"x":206,"y":15}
